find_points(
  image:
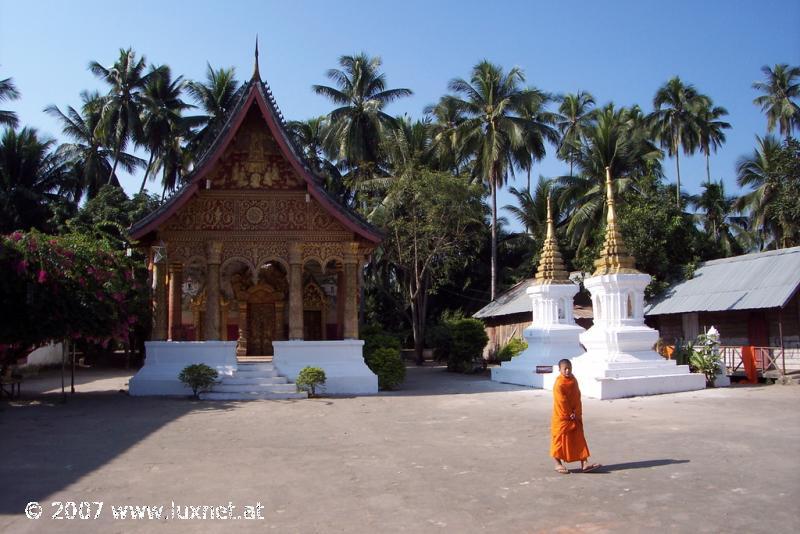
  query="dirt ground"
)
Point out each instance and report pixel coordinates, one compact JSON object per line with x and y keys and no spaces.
{"x":447,"y":453}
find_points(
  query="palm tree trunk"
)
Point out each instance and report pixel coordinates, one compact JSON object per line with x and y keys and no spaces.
{"x":529,"y":179}
{"x":494,"y":235}
{"x":117,"y":153}
{"x":678,"y":169}
{"x":146,"y":172}
{"x":708,"y":169}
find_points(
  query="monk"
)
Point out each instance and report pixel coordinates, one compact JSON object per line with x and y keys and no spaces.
{"x":568,"y":443}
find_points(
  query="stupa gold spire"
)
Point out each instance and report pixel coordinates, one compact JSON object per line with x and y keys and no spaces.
{"x":551,"y":267}
{"x":614,"y":258}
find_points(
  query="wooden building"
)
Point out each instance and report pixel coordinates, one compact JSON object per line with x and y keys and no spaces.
{"x":752,"y":300}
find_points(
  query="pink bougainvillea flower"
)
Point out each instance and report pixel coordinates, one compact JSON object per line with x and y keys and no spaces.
{"x":16,"y":236}
{"x":119,"y":297}
{"x":42,"y":276}
{"x":22,"y":267}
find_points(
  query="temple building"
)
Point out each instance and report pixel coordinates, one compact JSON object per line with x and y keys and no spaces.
{"x":252,"y":251}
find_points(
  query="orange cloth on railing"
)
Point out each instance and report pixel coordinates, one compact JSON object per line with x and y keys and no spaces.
{"x":749,"y":360}
{"x":668,"y":351}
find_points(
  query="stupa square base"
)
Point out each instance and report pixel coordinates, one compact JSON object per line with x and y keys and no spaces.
{"x":546,"y":346}
{"x":602,"y":379}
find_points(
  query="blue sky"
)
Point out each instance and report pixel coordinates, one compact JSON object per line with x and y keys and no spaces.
{"x":620,"y":51}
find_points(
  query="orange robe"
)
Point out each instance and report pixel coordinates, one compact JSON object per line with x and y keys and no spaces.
{"x":568,"y":443}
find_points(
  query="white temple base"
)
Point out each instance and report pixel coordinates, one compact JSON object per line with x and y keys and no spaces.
{"x":342,"y":360}
{"x":164,"y":360}
{"x":546,"y":346}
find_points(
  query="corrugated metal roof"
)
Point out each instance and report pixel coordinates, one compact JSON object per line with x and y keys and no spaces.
{"x":749,"y":282}
{"x":516,"y":300}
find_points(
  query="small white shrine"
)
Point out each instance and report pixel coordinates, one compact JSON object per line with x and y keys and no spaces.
{"x":620,"y":360}
{"x":553,"y":334}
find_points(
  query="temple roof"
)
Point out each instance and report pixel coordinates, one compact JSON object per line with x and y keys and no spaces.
{"x":258,"y":93}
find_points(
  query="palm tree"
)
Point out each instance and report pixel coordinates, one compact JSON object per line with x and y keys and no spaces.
{"x":216,"y":96}
{"x":494,"y":130}
{"x":538,"y":130}
{"x":88,"y":153}
{"x":121,"y":118}
{"x":33,"y":177}
{"x":618,"y":139}
{"x":720,"y":225}
{"x":710,"y":134}
{"x":575,"y":115}
{"x":531,"y":209}
{"x":780,"y":87}
{"x":8,"y":91}
{"x":754,"y":171}
{"x":309,"y":136}
{"x":445,"y":117}
{"x":358,"y":126}
{"x":675,"y":120}
{"x":161,"y":114}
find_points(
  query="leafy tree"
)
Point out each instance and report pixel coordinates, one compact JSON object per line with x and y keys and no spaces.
{"x":780,"y":88}
{"x":67,"y":287}
{"x":122,"y":106}
{"x":88,"y":154}
{"x":109,"y":214}
{"x":358,"y":126}
{"x":538,"y":130}
{"x":33,"y":177}
{"x":8,"y":91}
{"x":494,"y":130}
{"x":662,"y":238}
{"x":675,"y":120}
{"x":429,"y":220}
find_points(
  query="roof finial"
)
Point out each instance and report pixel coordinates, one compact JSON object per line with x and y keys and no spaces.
{"x":614,"y":257}
{"x":551,"y":267}
{"x":256,"y":73}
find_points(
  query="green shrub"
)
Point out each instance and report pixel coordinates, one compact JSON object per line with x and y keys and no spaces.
{"x":514,"y":346}
{"x":309,"y":379}
{"x":375,"y":338}
{"x":705,"y":358}
{"x":466,"y":349}
{"x":440,"y":339}
{"x":388,"y":365}
{"x":199,"y":377}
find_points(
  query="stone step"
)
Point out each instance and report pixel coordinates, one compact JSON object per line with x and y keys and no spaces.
{"x":236,"y":379}
{"x":252,"y":396}
{"x":253,"y":388}
{"x":250,"y":367}
{"x":634,"y":372}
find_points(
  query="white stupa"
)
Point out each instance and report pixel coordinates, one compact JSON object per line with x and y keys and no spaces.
{"x":553,"y":334}
{"x":620,"y":360}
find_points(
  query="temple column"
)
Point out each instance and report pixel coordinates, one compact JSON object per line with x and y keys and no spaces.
{"x":175,"y":300}
{"x":241,"y":348}
{"x":351,"y":263}
{"x":212,"y":315}
{"x":159,"y":303}
{"x":295,"y":292}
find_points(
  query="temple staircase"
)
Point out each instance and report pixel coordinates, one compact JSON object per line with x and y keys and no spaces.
{"x":254,"y":380}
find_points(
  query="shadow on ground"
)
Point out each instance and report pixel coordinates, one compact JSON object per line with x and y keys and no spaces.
{"x":47,"y":445}
{"x":637,"y":465}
